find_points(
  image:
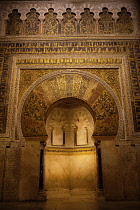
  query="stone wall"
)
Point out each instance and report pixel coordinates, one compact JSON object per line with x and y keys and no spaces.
{"x":112,"y":172}
{"x":120,"y":171}
{"x":72,"y":169}
{"x":97,"y":63}
{"x":2,"y":166}
{"x":10,"y":171}
{"x":29,"y":171}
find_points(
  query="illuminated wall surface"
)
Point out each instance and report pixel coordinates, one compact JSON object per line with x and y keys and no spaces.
{"x":70,"y":88}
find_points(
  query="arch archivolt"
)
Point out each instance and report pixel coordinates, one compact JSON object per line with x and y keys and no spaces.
{"x":106,"y":91}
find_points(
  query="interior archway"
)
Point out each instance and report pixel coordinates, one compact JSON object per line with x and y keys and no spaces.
{"x":69,"y":123}
{"x":68,"y":102}
{"x":70,"y":154}
{"x":55,"y":91}
{"x":75,"y":85}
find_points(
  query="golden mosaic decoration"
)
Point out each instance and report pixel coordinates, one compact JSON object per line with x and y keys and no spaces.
{"x":55,"y":88}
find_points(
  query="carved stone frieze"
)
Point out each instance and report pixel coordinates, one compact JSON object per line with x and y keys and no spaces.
{"x":77,"y":25}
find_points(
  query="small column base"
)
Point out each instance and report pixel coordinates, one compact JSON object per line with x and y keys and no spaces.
{"x":42,"y":196}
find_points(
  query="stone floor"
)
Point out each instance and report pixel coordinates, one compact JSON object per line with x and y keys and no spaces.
{"x":71,"y":201}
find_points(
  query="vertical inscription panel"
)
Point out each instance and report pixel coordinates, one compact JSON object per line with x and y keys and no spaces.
{"x":4,"y":88}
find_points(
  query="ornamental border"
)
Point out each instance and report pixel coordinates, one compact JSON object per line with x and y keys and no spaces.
{"x":123,"y":67}
{"x":58,"y":72}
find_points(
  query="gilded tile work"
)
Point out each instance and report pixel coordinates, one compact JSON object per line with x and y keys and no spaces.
{"x":27,"y":77}
{"x":33,"y":116}
{"x":106,"y":115}
{"x":110,"y":76}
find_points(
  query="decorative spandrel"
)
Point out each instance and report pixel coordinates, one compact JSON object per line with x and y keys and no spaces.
{"x":106,"y":115}
{"x":69,"y":24}
{"x":32,"y":23}
{"x":50,"y":23}
{"x":33,"y":116}
{"x":106,"y":22}
{"x":14,"y":23}
{"x":124,"y":24}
